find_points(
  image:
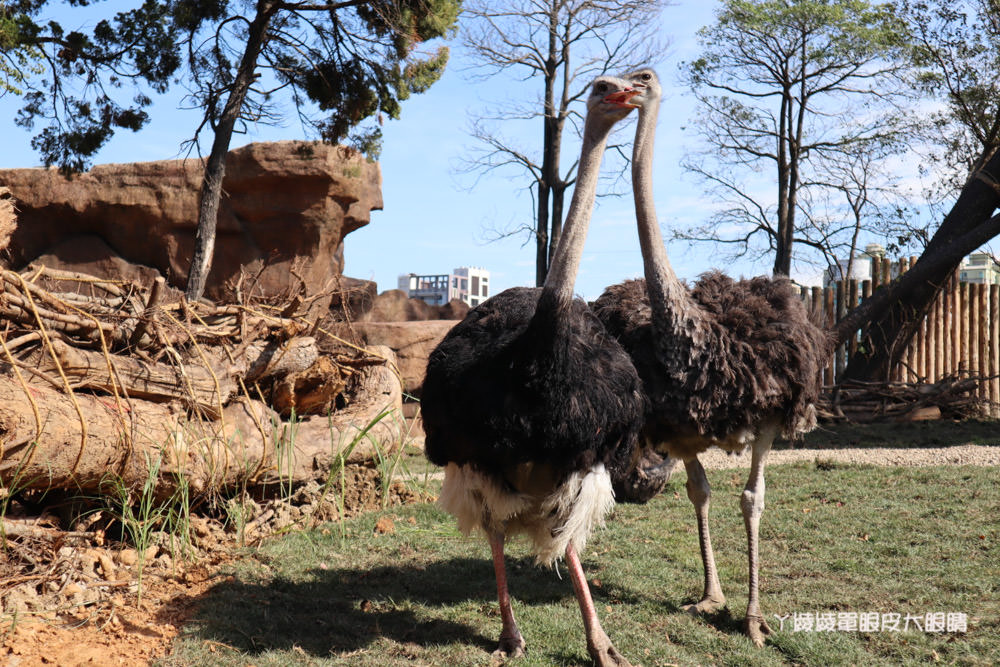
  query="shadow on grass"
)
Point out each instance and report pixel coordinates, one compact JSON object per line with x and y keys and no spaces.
{"x":901,"y":434}
{"x":337,"y":611}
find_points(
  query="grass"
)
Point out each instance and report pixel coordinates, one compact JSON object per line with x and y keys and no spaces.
{"x":141,"y":513}
{"x":835,"y":538}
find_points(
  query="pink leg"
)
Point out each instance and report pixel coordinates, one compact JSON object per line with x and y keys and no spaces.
{"x":511,"y":643}
{"x":599,"y":645}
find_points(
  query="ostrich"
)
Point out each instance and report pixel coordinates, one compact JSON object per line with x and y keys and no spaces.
{"x":727,"y":363}
{"x":528,"y":403}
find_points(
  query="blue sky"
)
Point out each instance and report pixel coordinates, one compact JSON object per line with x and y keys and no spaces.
{"x":432,"y":221}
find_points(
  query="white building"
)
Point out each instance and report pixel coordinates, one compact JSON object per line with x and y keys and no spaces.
{"x":466,"y":283}
{"x":861,"y":267}
{"x":979,"y":267}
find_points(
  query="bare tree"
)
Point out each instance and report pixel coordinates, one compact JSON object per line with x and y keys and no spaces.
{"x":850,"y":198}
{"x":801,"y":90}
{"x":560,"y":46}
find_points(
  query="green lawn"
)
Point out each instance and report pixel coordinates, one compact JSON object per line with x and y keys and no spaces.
{"x":835,"y":540}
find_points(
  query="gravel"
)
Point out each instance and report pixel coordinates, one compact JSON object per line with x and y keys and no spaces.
{"x":971,"y":455}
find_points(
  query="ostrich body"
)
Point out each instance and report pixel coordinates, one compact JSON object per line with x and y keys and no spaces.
{"x":528,"y":403}
{"x":729,"y":364}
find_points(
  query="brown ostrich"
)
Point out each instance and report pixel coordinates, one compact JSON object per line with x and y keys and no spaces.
{"x":729,"y":364}
{"x":530,"y":406}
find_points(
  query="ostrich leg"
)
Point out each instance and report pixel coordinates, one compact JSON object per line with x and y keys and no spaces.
{"x":752,"y":503}
{"x":599,"y":645}
{"x":511,"y":643}
{"x":699,"y":492}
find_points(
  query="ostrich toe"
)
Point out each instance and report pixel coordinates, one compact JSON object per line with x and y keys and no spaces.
{"x":707,"y":605}
{"x":510,"y":647}
{"x":756,"y":628}
{"x":608,"y":656}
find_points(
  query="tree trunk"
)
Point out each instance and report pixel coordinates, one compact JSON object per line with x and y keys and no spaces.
{"x":84,"y":442}
{"x":542,"y":235}
{"x":901,"y":305}
{"x":215,"y":167}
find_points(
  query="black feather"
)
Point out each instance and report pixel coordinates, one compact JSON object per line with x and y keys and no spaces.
{"x":505,"y":387}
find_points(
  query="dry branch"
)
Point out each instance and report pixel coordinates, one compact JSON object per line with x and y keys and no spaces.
{"x":951,"y":397}
{"x":246,"y":446}
{"x":100,"y":386}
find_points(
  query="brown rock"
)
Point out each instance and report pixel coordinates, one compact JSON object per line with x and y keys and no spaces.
{"x":287,"y":207}
{"x":91,"y":255}
{"x":456,"y":309}
{"x":353,"y":299}
{"x":411,"y":341}
{"x":394,"y":306}
{"x":8,"y":217}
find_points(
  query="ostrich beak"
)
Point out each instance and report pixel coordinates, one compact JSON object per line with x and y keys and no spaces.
{"x":621,"y":98}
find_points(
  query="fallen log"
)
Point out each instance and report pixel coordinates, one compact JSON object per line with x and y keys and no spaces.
{"x":204,"y":382}
{"x":53,"y":440}
{"x":195,"y":385}
{"x":952,"y":397}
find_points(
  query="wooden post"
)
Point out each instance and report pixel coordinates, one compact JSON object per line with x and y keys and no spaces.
{"x":912,"y":356}
{"x":923,"y":337}
{"x":963,"y":327}
{"x":956,"y":326}
{"x":995,"y":349}
{"x":982,"y":332}
{"x":973,"y":319}
{"x":831,"y":321}
{"x":876,"y":272}
{"x":852,"y":303}
{"x":816,"y":311}
{"x":841,"y":311}
{"x":938,"y":347}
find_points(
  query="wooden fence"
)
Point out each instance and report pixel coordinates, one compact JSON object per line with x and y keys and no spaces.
{"x":960,"y":336}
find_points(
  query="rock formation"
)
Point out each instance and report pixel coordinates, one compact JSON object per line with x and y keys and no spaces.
{"x":411,"y":342}
{"x":8,"y":221}
{"x":394,"y":306}
{"x":285,"y":211}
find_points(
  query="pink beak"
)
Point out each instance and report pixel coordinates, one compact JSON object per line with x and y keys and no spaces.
{"x":622,"y":98}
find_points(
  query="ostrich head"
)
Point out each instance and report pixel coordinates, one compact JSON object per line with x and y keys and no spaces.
{"x":608,"y":101}
{"x":646,"y":85}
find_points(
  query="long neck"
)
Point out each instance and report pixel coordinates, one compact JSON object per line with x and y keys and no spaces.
{"x":561,"y":277}
{"x":669,"y":299}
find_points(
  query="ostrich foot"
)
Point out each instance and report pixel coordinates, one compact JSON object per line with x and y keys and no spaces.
{"x":604,"y":654}
{"x":510,"y":647}
{"x":756,"y":628}
{"x":707,"y":605}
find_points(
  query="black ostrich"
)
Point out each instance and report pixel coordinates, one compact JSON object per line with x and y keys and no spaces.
{"x":528,"y":403}
{"x":729,"y":364}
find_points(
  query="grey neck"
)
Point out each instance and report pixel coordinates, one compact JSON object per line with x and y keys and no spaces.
{"x":661,"y":281}
{"x":561,"y":278}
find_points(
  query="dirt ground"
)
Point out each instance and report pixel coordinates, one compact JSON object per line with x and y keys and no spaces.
{"x":71,"y":598}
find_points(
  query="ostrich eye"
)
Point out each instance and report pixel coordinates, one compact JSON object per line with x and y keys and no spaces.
{"x":646,"y":76}
{"x":601,"y":87}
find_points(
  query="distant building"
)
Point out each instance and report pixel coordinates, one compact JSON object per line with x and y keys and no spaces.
{"x":861,"y":267}
{"x":979,"y":267}
{"x":468,"y":284}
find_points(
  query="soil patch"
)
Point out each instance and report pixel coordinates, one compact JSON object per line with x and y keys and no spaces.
{"x":72,"y":597}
